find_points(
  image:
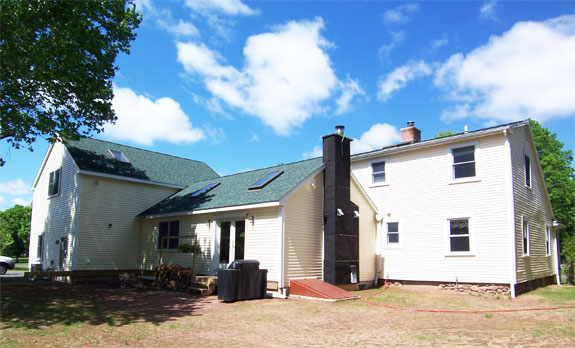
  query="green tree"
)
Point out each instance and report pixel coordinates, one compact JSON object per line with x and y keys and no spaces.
{"x":15,"y":231}
{"x":443,"y":134}
{"x":57,"y":64}
{"x":559,"y":174}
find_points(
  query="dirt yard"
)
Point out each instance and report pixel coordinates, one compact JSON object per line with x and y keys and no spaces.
{"x":43,"y":314}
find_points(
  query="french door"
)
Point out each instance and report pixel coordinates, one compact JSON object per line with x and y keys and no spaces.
{"x":231,"y":242}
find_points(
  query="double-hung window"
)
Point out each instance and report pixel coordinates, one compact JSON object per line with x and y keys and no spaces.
{"x":167,"y":231}
{"x":459,"y":235}
{"x":548,"y":240}
{"x":525,"y":238}
{"x":463,"y":162}
{"x":54,"y":182}
{"x":378,"y":172}
{"x":527,"y":163}
{"x":392,"y":233}
{"x":40,"y":248}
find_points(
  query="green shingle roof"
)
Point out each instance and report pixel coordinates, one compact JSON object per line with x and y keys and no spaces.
{"x":93,"y":155}
{"x":233,"y":189}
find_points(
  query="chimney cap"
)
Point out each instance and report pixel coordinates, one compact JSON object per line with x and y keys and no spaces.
{"x":340,"y":130}
{"x":411,"y":123}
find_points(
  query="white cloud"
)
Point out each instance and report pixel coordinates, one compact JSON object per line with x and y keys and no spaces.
{"x":400,"y":14}
{"x":487,"y":11}
{"x":457,"y":112}
{"x":378,"y":136}
{"x":526,"y":72}
{"x":255,"y":138}
{"x":396,"y":37}
{"x":436,"y":44}
{"x":285,"y":78}
{"x":15,"y":187}
{"x":228,"y":7}
{"x":400,"y":77}
{"x":181,"y":28}
{"x":21,"y":201}
{"x":143,"y":121}
{"x":163,"y":18}
{"x":350,"y":89}
{"x":317,"y":151}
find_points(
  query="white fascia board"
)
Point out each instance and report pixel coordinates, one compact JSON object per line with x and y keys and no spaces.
{"x":125,"y":178}
{"x":42,"y":165}
{"x":540,"y":171}
{"x":434,"y":142}
{"x":305,"y":181}
{"x":216,"y":210}
{"x":352,"y":177}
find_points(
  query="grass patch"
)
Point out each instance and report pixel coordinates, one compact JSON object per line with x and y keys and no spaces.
{"x":563,"y":295}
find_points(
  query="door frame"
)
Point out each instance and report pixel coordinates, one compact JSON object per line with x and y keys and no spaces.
{"x":233,"y":219}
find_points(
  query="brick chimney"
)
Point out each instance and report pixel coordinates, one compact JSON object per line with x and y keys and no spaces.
{"x":410,"y":134}
{"x":341,"y":225}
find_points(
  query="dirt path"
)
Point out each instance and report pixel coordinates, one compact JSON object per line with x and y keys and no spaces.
{"x":56,"y":315}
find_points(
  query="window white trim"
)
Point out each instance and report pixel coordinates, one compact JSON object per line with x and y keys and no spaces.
{"x":40,"y":248}
{"x":158,"y":241}
{"x":385,"y":173}
{"x":527,"y":171}
{"x":55,"y":182}
{"x":469,"y":235}
{"x":392,"y":244}
{"x":525,"y":237}
{"x":476,"y":160}
{"x":548,"y":245}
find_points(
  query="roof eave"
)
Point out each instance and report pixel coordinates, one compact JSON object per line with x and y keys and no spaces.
{"x":399,"y":148}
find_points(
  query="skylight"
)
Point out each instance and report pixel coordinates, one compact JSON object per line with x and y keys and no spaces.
{"x":119,"y":156}
{"x":205,"y":189}
{"x":266,"y":179}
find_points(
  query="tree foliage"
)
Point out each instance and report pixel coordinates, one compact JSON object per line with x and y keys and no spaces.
{"x":57,"y":64}
{"x":442,"y":134}
{"x":15,"y":231}
{"x":559,"y":174}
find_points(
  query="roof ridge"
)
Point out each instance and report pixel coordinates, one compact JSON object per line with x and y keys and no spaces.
{"x":138,"y":148}
{"x":398,"y":145}
{"x":255,"y":170}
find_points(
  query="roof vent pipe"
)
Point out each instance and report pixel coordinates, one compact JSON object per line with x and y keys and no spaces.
{"x":340,"y":130}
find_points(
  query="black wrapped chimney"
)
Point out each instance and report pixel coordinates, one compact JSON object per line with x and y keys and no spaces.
{"x":341,"y":225}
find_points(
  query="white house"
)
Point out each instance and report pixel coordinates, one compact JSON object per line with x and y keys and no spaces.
{"x":471,"y":208}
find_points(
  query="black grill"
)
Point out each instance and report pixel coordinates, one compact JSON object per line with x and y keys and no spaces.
{"x":243,"y":280}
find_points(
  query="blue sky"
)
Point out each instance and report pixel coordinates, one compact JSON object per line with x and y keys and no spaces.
{"x":245,"y":85}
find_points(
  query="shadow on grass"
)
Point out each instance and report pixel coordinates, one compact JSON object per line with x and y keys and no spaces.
{"x":41,"y":304}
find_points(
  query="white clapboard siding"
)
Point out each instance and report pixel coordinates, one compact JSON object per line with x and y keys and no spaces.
{"x":531,"y":205}
{"x":367,"y":234}
{"x":191,"y":227}
{"x":419,"y":196}
{"x":54,"y":217}
{"x":108,"y":237}
{"x":261,"y":240}
{"x":303,"y":238}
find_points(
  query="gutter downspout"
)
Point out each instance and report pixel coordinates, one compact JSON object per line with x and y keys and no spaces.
{"x":281,"y":245}
{"x":511,"y":218}
{"x":378,"y":248}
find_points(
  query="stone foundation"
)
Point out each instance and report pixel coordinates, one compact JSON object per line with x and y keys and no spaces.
{"x":493,"y":289}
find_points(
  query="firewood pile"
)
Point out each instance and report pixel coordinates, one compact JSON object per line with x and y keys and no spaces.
{"x":174,"y":277}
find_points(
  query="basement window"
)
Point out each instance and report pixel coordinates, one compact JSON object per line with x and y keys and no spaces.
{"x":205,"y":189}
{"x":119,"y":156}
{"x":266,"y":179}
